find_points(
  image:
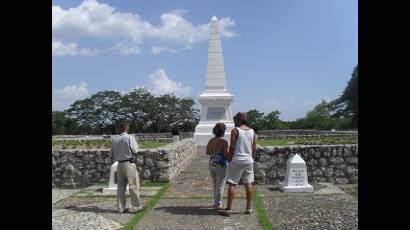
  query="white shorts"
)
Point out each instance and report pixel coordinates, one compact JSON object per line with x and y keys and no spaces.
{"x":237,"y":171}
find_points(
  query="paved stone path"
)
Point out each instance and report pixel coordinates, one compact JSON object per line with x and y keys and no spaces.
{"x":328,"y":207}
{"x":91,"y":209}
{"x":187,"y":204}
{"x":59,"y":194}
{"x":70,"y":219}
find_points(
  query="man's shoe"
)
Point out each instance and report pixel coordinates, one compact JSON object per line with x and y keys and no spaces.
{"x":123,"y":210}
{"x":135,"y":209}
{"x":248,"y":211}
{"x":226,"y":212}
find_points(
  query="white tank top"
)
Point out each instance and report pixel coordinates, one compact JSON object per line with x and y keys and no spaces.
{"x":243,"y":147}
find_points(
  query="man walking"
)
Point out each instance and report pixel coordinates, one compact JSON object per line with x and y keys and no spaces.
{"x":242,"y":152}
{"x":122,"y":150}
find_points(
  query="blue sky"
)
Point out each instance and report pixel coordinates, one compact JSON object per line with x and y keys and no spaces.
{"x":279,"y":55}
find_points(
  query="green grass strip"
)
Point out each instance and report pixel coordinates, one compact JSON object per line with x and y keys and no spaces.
{"x":153,"y":184}
{"x":150,"y":205}
{"x":263,"y":218}
{"x":273,"y":142}
{"x":200,"y":197}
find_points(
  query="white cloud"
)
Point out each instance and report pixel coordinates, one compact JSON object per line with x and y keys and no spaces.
{"x":95,"y":20}
{"x":70,"y":49}
{"x":124,"y":48}
{"x":223,"y":24}
{"x":161,"y":84}
{"x":159,"y":49}
{"x":63,"y":98}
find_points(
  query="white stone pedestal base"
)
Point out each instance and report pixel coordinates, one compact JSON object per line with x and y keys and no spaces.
{"x":110,"y":190}
{"x":307,"y":188}
{"x":112,"y":185}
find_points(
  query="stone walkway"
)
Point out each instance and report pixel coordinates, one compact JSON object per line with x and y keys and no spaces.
{"x":328,"y":207}
{"x":91,"y":209}
{"x":187,"y":205}
{"x":59,"y":194}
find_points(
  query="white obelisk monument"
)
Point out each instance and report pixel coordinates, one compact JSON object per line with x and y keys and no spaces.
{"x":215,"y":100}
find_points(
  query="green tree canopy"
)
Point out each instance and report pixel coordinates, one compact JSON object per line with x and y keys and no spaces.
{"x":101,"y":112}
{"x":61,"y":124}
{"x":255,"y":119}
{"x":346,"y":106}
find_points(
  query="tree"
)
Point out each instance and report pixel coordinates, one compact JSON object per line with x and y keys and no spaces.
{"x":346,"y":106}
{"x":98,"y":113}
{"x":255,"y":119}
{"x":144,"y":111}
{"x":136,"y":107}
{"x":319,"y":117}
{"x":169,"y":112}
{"x":57,"y":122}
{"x":187,"y":115}
{"x":61,"y":124}
{"x":271,"y":121}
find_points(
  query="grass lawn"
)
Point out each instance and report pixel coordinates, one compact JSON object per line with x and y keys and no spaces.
{"x":100,"y":144}
{"x":151,"y":145}
{"x":274,"y":142}
{"x":309,"y":141}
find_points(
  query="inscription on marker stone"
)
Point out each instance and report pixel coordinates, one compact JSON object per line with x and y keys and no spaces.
{"x":297,"y":178}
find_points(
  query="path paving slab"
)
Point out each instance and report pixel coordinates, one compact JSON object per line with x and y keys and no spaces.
{"x":96,"y":190}
{"x":59,"y":194}
{"x":90,"y":213}
{"x":196,"y":214}
{"x":64,"y":219}
{"x":195,"y":181}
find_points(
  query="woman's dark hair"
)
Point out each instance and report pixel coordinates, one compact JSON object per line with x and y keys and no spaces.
{"x":219,"y":129}
{"x":241,"y":118}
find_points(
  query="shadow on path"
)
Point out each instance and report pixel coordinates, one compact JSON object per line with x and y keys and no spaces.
{"x":275,"y":189}
{"x":189,"y":210}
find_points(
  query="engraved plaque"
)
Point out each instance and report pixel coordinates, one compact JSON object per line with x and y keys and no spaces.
{"x":215,"y":113}
{"x":297,"y":177}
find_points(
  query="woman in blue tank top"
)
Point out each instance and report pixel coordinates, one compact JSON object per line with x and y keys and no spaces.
{"x":217,"y":148}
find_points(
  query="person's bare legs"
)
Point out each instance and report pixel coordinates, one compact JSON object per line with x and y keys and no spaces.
{"x":231,"y":195}
{"x":248,"y":188}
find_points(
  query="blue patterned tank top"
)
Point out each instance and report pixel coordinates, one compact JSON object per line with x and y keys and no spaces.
{"x":217,"y":158}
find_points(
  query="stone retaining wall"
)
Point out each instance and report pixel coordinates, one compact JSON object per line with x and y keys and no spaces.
{"x":325,"y":163}
{"x":82,"y":168}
